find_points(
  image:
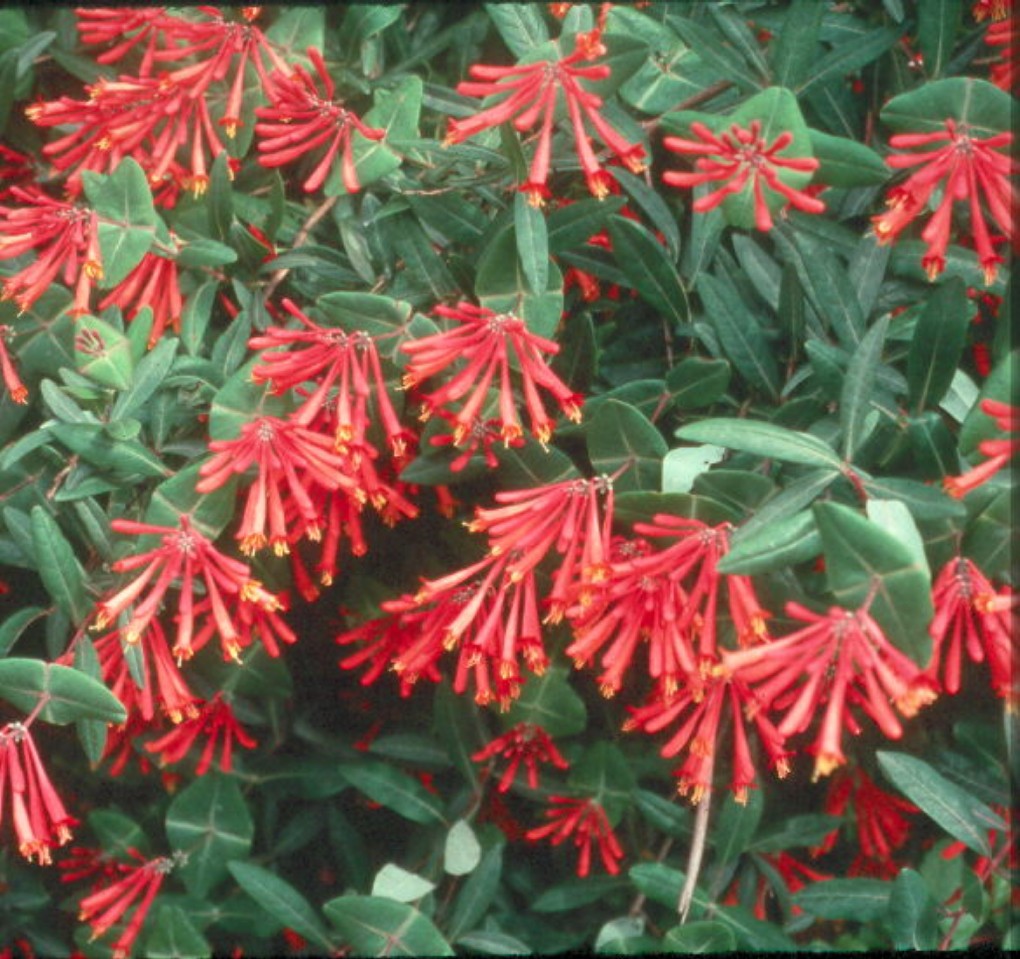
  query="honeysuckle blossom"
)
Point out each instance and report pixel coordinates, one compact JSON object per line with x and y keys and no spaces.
{"x":736,"y":157}
{"x":964,"y":167}
{"x":586,"y":822}
{"x":880,"y":820}
{"x":136,"y":889}
{"x":289,"y":459}
{"x":524,"y":743}
{"x":839,"y":660}
{"x":66,"y":240}
{"x":971,"y":615}
{"x":40,"y":820}
{"x":17,"y":390}
{"x":999,"y":451}
{"x":301,"y":119}
{"x":488,"y":343}
{"x":699,"y":708}
{"x":534,"y":90}
{"x":153,"y":284}
{"x":185,"y":555}
{"x":667,"y":599}
{"x":215,"y":723}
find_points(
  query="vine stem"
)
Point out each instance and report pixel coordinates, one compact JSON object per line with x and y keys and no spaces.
{"x":316,"y":215}
{"x":696,"y":854}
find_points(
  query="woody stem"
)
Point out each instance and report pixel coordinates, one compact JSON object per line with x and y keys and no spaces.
{"x":317,"y":214}
{"x":695,"y":856}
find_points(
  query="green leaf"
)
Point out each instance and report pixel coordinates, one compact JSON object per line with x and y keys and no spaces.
{"x":939,"y":337}
{"x":797,"y":831}
{"x":381,"y":927}
{"x":860,"y":900}
{"x":58,"y":567}
{"x":784,"y":542}
{"x":477,"y":893}
{"x":173,"y":935}
{"x":845,"y":163}
{"x":648,"y":268}
{"x":698,"y":938}
{"x":1000,"y":385}
{"x":695,"y":382}
{"x":663,"y":814}
{"x":712,"y":51}
{"x":70,"y":694}
{"x":394,"y":789}
{"x":103,"y":353}
{"x":924,"y":501}
{"x":736,"y":825}
{"x":532,"y":243}
{"x":211,"y":822}
{"x":148,"y":377}
{"x":621,"y":437}
{"x":603,"y":773}
{"x":117,"y":833}
{"x":683,"y":465}
{"x":978,"y":104}
{"x":895,"y":518}
{"x":127,"y":218}
{"x":281,"y":900}
{"x":938,"y":23}
{"x":492,"y":943}
{"x":913,"y":916}
{"x":240,"y":401}
{"x":550,"y":702}
{"x":195,"y":316}
{"x":15,"y":624}
{"x":519,"y":24}
{"x":636,"y":507}
{"x":796,"y":47}
{"x":91,"y":732}
{"x":394,"y":882}
{"x":861,"y":556}
{"x":575,"y":893}
{"x":209,"y":512}
{"x":462,"y":853}
{"x":953,"y":808}
{"x":740,"y":333}
{"x":850,"y":56}
{"x":763,"y":439}
{"x":856,"y":416}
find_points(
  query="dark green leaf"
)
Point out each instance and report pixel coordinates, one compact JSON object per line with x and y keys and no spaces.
{"x":846,"y":163}
{"x":736,"y":825}
{"x":394,"y":789}
{"x":860,"y":557}
{"x":550,"y":702}
{"x":648,"y":268}
{"x":281,"y":900}
{"x":698,"y":938}
{"x":796,"y":47}
{"x":695,"y":382}
{"x":707,"y":43}
{"x":953,"y":808}
{"x":14,"y":625}
{"x":372,"y":926}
{"x":70,"y":695}
{"x":861,"y":900}
{"x":174,"y":936}
{"x":573,"y":225}
{"x":856,"y":415}
{"x":492,"y":943}
{"x":913,"y":916}
{"x":851,"y":56}
{"x":58,"y":567}
{"x":939,"y":337}
{"x":148,"y":377}
{"x":519,"y":24}
{"x":210,"y":820}
{"x":665,"y":815}
{"x":926,"y":502}
{"x":619,"y":437}
{"x":477,"y":893}
{"x":938,"y":22}
{"x":103,"y":353}
{"x":784,"y":542}
{"x":575,"y":893}
{"x":978,"y":104}
{"x":532,"y":243}
{"x":797,"y":831}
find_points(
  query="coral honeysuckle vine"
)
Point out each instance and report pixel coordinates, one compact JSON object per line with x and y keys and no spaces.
{"x":507,"y":478}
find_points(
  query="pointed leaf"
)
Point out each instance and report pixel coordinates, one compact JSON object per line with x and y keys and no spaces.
{"x":763,"y":439}
{"x":861,"y":900}
{"x":372,"y":926}
{"x":855,"y":401}
{"x":620,"y":437}
{"x":648,"y":268}
{"x":939,"y":337}
{"x":532,"y":243}
{"x":394,"y":789}
{"x":70,"y":695}
{"x":281,"y":900}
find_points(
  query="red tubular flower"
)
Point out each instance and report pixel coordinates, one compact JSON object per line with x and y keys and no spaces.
{"x":153,"y":284}
{"x":478,"y":439}
{"x":17,"y":390}
{"x":125,"y":28}
{"x":15,"y":168}
{"x":839,"y":659}
{"x":587,"y":822}
{"x":215,"y":722}
{"x":185,"y":554}
{"x":331,"y":358}
{"x":527,"y":743}
{"x":882,"y":826}
{"x":290,"y":459}
{"x":84,"y":862}
{"x":485,"y":340}
{"x":256,"y":619}
{"x":699,"y":707}
{"x":736,"y":157}
{"x":965,"y":168}
{"x":384,"y":639}
{"x":66,"y":238}
{"x":302,"y":119}
{"x":998,"y":451}
{"x":40,"y":819}
{"x":138,"y":888}
{"x":163,"y":683}
{"x":533,"y":90}
{"x":970,"y":614}
{"x":668,"y":599}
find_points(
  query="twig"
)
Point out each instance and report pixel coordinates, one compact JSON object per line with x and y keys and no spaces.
{"x":317,"y":214}
{"x":639,"y":901}
{"x":696,"y":854}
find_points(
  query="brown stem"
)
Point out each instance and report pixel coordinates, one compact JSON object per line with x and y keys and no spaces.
{"x":317,"y":214}
{"x":696,"y":855}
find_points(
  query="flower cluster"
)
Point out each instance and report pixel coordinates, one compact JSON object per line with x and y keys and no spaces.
{"x":523,"y":743}
{"x":965,"y":167}
{"x":585,"y":821}
{"x":999,"y":451}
